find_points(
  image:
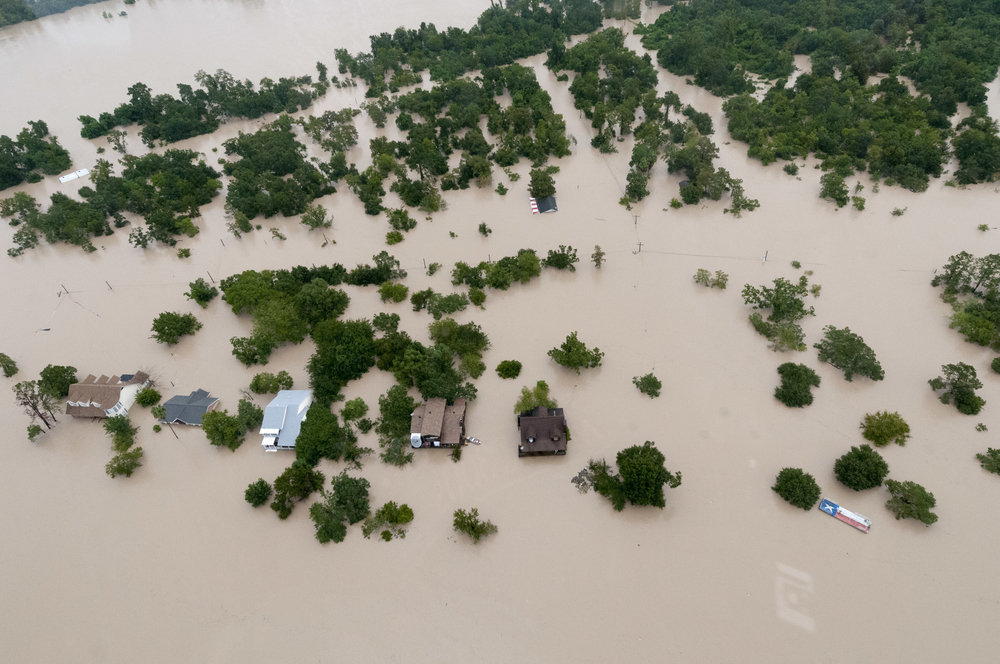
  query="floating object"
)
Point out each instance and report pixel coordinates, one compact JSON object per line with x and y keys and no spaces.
{"x":72,"y":176}
{"x":543,"y":205}
{"x":863,"y":524}
{"x":474,"y":441}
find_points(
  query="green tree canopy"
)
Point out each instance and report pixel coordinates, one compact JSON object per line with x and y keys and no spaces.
{"x":470,"y":524}
{"x":911,"y":501}
{"x":884,"y":427}
{"x":170,"y":326}
{"x":796,"y":379}
{"x":959,"y":383}
{"x":848,"y":352}
{"x":861,"y":468}
{"x":575,"y":355}
{"x":55,"y":380}
{"x":797,"y":487}
{"x":642,"y":474}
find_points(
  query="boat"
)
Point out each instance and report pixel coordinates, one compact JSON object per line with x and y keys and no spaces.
{"x":72,"y":176}
{"x":862,"y":523}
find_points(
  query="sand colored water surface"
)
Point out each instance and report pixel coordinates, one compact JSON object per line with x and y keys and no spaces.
{"x":172,"y":565}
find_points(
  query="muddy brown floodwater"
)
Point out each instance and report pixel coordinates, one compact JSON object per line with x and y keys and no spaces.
{"x":172,"y":565}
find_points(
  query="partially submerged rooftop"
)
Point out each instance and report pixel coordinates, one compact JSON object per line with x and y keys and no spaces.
{"x":436,"y":424}
{"x":543,"y":432}
{"x":188,"y":409}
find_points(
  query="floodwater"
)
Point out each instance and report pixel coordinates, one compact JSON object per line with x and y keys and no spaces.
{"x":172,"y":565}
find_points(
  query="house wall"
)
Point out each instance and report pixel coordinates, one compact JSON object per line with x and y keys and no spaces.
{"x":128,"y":395}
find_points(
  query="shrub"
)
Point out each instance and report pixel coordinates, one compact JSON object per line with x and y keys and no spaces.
{"x":201,"y":292}
{"x":159,"y":412}
{"x":147,"y":397}
{"x":597,"y":256}
{"x":797,"y":487}
{"x":796,"y":379}
{"x":884,"y":427}
{"x":861,"y":468}
{"x":469,"y":523}
{"x":393,"y":237}
{"x":648,"y":384}
{"x":705,"y":278}
{"x":541,"y":184}
{"x":34,"y":431}
{"x":54,"y":380}
{"x":157,"y":428}
{"x":990,"y":461}
{"x":959,"y":383}
{"x":911,"y":501}
{"x":365,"y":425}
{"x":124,"y":463}
{"x":796,"y":264}
{"x":983,"y":227}
{"x":485,"y":230}
{"x":354,"y":409}
{"x":297,"y":483}
{"x":676,"y":204}
{"x":477,"y":296}
{"x":391,"y":291}
{"x":432,"y":268}
{"x":995,"y":364}
{"x":833,"y":187}
{"x":168,"y":327}
{"x":502,"y":190}
{"x":389,"y":519}
{"x":575,"y":355}
{"x":509,"y":369}
{"x":315,"y":217}
{"x":258,"y":492}
{"x":791,"y":169}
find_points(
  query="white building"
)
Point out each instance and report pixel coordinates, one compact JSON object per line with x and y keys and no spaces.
{"x":283,"y":418}
{"x":104,"y":396}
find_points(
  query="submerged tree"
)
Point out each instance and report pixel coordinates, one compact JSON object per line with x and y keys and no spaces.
{"x":648,"y":384}
{"x":911,"y":501}
{"x":959,"y":384}
{"x":642,"y":474}
{"x":532,"y":398}
{"x":861,"y":468}
{"x":884,"y":427}
{"x":169,"y":327}
{"x":797,"y":487}
{"x":796,"y":379}
{"x":848,"y":352}
{"x":470,"y":524}
{"x":575,"y":355}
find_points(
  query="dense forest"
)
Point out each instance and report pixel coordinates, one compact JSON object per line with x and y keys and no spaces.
{"x":197,"y":111}
{"x":22,"y":158}
{"x":15,"y":11}
{"x":948,"y":49}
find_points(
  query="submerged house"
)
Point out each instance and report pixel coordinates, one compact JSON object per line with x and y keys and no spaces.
{"x":436,"y":424}
{"x":283,"y":418}
{"x":104,"y":396}
{"x":188,"y":409}
{"x":543,"y":432}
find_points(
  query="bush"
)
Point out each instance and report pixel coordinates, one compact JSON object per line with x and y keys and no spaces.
{"x":833,"y":187}
{"x":990,"y":461}
{"x":485,"y":230}
{"x":365,"y":425}
{"x":391,"y":291}
{"x":797,"y":487}
{"x":147,"y":397}
{"x":597,"y":256}
{"x":54,"y":381}
{"x":884,"y":427}
{"x":910,"y":501}
{"x":201,"y":292}
{"x":705,"y":278}
{"x":861,"y":468}
{"x":791,"y":169}
{"x":509,"y":369}
{"x":796,"y":380}
{"x":469,"y":523}
{"x":34,"y":431}
{"x":168,"y":327}
{"x":121,"y":431}
{"x":268,"y":383}
{"x":575,"y":355}
{"x":297,"y":483}
{"x":159,"y":412}
{"x":393,"y":237}
{"x":995,"y":364}
{"x":477,"y":296}
{"x":124,"y":463}
{"x":390,"y":519}
{"x":157,"y":428}
{"x":354,"y":409}
{"x":648,"y":384}
{"x":258,"y":492}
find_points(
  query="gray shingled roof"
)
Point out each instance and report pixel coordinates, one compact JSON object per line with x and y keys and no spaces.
{"x":188,"y":409}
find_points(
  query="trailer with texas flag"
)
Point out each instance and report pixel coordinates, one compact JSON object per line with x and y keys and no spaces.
{"x":863,"y":524}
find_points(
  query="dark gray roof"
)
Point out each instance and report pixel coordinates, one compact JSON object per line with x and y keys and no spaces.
{"x":188,"y":409}
{"x":546,"y":205}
